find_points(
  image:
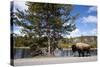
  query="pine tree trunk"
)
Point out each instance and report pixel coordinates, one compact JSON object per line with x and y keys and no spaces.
{"x":49,"y":53}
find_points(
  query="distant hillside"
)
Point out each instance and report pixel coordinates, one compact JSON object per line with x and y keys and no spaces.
{"x":85,"y":39}
{"x":91,"y":40}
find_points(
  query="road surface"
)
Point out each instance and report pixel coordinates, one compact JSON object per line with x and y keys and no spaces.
{"x":52,"y":60}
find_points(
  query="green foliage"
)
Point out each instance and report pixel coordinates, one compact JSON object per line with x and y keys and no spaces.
{"x":44,"y":20}
{"x":63,"y":46}
{"x":32,"y":19}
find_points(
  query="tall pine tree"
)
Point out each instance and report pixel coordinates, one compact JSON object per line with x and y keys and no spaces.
{"x":46,"y":20}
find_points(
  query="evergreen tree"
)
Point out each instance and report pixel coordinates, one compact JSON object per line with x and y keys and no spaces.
{"x":46,"y":20}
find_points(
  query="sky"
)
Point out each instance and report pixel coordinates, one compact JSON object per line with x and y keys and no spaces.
{"x":86,"y":23}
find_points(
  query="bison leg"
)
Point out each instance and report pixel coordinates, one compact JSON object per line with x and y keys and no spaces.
{"x":88,"y":52}
{"x":79,"y":52}
{"x":82,"y":53}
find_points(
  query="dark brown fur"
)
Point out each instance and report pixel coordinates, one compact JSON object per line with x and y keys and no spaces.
{"x":81,"y":51}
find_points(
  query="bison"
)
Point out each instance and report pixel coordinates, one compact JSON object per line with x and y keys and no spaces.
{"x":83,"y":49}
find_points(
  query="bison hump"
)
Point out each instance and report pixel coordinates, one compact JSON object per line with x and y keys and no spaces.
{"x":82,"y":45}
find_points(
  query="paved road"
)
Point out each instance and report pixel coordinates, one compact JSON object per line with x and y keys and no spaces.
{"x":57,"y":60}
